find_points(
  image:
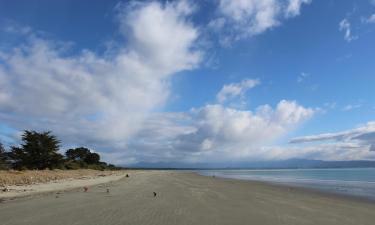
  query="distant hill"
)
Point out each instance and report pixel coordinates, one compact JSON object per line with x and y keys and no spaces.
{"x":279,"y":164}
{"x":306,"y":163}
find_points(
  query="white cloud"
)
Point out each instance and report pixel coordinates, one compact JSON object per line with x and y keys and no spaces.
{"x":358,"y":143}
{"x":99,"y":100}
{"x":370,"y":19}
{"x":354,"y":134}
{"x":219,"y":133}
{"x":243,"y":18}
{"x":351,"y":107}
{"x":345,"y":26}
{"x":162,"y":34}
{"x":327,"y":151}
{"x":258,"y":15}
{"x":294,"y":7}
{"x":233,"y":90}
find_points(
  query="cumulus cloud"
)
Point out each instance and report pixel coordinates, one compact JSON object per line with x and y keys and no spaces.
{"x":218,"y":133}
{"x":244,"y":18}
{"x":221,"y":124}
{"x":230,"y":91}
{"x":99,"y":99}
{"x":361,"y":139}
{"x":345,"y":27}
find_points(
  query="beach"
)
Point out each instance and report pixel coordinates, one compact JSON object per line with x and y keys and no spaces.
{"x":21,"y":184}
{"x":185,"y":198}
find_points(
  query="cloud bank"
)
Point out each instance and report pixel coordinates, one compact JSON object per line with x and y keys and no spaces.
{"x":216,"y":133}
{"x":93,"y":98}
{"x":357,"y":143}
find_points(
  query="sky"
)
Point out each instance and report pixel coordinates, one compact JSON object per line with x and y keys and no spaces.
{"x":187,"y":82}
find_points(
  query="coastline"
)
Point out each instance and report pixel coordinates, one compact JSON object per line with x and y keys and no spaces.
{"x":188,"y":198}
{"x":302,"y":189}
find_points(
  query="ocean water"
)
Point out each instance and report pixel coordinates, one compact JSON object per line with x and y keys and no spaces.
{"x":348,"y":181}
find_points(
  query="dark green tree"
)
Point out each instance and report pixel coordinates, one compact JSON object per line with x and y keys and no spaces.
{"x":92,"y":158}
{"x":37,"y":151}
{"x":77,"y":154}
{"x":82,"y":155}
{"x":3,"y":157}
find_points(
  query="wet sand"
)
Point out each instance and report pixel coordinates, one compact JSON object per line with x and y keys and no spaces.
{"x":186,"y":198}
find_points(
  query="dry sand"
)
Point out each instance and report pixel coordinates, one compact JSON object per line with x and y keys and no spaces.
{"x":9,"y":192}
{"x":186,"y":198}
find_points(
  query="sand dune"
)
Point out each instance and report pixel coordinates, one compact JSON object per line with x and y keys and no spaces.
{"x":186,"y":198}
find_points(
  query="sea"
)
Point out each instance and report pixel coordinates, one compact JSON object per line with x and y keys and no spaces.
{"x":358,"y":182}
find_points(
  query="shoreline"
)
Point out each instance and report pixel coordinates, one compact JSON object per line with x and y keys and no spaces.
{"x":302,"y":189}
{"x":353,"y":185}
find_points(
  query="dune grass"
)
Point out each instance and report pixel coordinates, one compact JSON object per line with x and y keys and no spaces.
{"x":27,"y":177}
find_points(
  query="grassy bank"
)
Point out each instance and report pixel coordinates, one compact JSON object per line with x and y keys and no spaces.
{"x":27,"y":177}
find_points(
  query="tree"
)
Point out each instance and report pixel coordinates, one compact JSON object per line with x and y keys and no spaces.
{"x":3,"y":157}
{"x":77,"y":154}
{"x":38,"y":151}
{"x":82,"y":154}
{"x":92,"y":158}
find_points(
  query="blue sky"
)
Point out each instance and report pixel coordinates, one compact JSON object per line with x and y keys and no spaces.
{"x":186,"y":81}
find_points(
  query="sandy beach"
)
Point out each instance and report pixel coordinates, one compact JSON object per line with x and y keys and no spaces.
{"x":185,"y":198}
{"x":22,"y":191}
{"x":19,"y":184}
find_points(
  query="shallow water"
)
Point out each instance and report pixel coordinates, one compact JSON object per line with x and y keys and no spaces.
{"x":350,"y":181}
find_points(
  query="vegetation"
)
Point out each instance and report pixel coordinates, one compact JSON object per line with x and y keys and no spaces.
{"x":84,"y":158}
{"x":41,"y":151}
{"x":3,"y":159}
{"x":28,"y":177}
{"x":37,"y":151}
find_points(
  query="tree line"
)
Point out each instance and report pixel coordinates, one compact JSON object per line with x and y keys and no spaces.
{"x":40,"y":150}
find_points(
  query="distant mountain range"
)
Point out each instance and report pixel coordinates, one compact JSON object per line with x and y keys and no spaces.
{"x":279,"y":164}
